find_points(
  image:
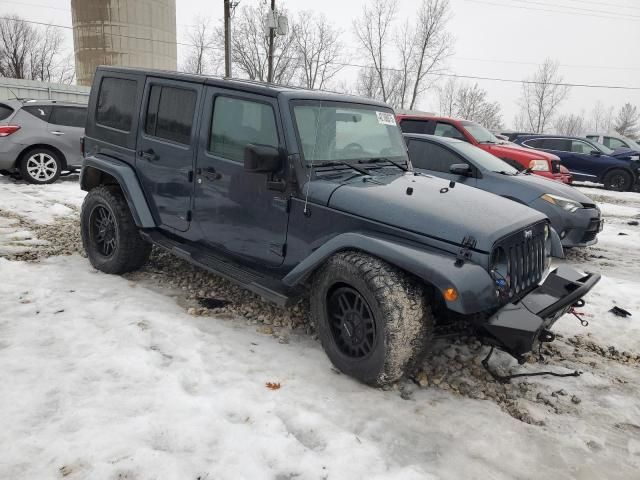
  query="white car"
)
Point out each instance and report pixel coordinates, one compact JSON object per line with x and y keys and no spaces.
{"x":614,"y":141}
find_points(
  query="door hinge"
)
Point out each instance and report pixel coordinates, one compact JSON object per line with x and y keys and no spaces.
{"x":190,"y":176}
{"x":279,"y":249}
{"x":188,"y":215}
{"x":468,"y":243}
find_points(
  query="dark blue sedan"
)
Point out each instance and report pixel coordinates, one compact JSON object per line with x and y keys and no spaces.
{"x":588,"y":161}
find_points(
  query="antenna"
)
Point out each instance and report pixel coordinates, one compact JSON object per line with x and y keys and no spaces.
{"x":13,"y":93}
{"x":313,"y":156}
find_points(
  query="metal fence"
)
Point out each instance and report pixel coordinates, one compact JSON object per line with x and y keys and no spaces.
{"x":13,"y":87}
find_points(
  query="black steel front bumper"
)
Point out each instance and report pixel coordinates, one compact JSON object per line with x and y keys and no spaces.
{"x":517,"y":327}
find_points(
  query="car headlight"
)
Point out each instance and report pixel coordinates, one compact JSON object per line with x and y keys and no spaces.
{"x":539,"y":166}
{"x":564,"y":203}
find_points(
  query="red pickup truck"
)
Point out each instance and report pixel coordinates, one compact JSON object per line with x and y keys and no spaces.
{"x":541,"y":163}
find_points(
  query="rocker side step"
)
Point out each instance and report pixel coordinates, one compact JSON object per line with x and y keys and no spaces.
{"x":269,"y":288}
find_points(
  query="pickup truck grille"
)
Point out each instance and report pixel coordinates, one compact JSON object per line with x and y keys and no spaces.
{"x":519,"y":261}
{"x":555,"y":166}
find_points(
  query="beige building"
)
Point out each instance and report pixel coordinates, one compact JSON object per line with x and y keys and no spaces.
{"x":132,"y":33}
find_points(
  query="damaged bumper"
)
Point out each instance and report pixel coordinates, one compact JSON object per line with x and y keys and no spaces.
{"x":518,"y":327}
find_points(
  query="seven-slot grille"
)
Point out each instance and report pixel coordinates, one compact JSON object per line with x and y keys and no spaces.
{"x":524,"y":256}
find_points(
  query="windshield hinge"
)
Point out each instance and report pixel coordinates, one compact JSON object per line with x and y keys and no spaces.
{"x":468,"y":243}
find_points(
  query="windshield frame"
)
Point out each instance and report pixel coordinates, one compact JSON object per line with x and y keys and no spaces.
{"x":294,"y":102}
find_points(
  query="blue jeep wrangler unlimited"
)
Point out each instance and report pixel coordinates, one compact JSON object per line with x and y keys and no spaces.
{"x":291,"y":192}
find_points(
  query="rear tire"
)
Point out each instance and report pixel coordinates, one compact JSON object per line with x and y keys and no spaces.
{"x":109,"y":235}
{"x":40,"y":166}
{"x":373,"y":319}
{"x":618,"y":180}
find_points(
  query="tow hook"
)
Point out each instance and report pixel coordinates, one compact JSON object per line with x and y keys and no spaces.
{"x":546,"y":336}
{"x":580,"y":303}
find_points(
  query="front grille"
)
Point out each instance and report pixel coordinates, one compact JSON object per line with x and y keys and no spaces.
{"x":592,"y":230}
{"x":523,"y":260}
{"x":555,"y":166}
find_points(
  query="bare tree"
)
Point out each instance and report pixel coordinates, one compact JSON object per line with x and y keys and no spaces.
{"x":469,"y":102}
{"x":433,"y":44}
{"x":447,"y":97}
{"x":601,"y":118}
{"x":318,"y":48}
{"x":373,"y":30}
{"x":541,"y":96}
{"x":249,"y":46}
{"x":34,"y":54}
{"x":202,"y":47}
{"x":570,"y":124}
{"x":626,"y":122}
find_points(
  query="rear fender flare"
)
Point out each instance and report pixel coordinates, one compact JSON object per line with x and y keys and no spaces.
{"x":476,"y":290}
{"x":91,"y":176}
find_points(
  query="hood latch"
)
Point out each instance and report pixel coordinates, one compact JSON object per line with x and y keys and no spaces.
{"x":468,"y":243}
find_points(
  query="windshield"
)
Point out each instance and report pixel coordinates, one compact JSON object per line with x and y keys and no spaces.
{"x":336,"y":131}
{"x":484,"y":159}
{"x":481,"y":134}
{"x":603,"y":148}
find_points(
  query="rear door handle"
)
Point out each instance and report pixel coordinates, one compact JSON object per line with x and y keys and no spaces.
{"x":148,"y":154}
{"x":57,"y":132}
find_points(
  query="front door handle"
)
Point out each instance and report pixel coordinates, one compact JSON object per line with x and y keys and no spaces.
{"x":209,"y":173}
{"x":148,"y":154}
{"x":57,"y":132}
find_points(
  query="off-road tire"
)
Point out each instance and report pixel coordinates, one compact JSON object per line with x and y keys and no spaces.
{"x":618,"y":180}
{"x":47,"y":155}
{"x":131,"y":251}
{"x":403,"y":320}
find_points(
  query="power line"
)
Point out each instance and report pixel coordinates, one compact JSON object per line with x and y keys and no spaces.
{"x":610,"y":5}
{"x":580,"y":9}
{"x":347,"y":64}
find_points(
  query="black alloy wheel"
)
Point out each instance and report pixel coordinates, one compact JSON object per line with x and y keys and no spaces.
{"x":104,"y":230}
{"x":351,"y":321}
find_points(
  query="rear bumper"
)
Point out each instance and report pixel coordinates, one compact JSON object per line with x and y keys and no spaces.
{"x":517,"y":327}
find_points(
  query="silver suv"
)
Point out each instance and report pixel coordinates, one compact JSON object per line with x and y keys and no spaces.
{"x":40,"y":139}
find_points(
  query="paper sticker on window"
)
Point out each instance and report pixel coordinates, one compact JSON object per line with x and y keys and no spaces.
{"x":385,"y":118}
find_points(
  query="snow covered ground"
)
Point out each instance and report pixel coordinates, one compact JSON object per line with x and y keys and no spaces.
{"x":105,"y":377}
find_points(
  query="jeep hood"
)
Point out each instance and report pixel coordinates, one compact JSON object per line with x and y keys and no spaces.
{"x":429,"y":206}
{"x":505,"y":149}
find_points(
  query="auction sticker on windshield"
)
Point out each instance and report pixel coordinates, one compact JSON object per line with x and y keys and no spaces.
{"x":385,"y":118}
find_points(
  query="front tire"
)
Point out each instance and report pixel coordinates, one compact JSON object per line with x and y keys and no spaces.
{"x":40,"y":166}
{"x":618,"y":180}
{"x":373,"y":319}
{"x":109,"y":235}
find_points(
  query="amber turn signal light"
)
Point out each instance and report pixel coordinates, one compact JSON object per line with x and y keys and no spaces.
{"x":450,"y":294}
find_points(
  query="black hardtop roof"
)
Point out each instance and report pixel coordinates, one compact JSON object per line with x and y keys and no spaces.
{"x":251,"y":86}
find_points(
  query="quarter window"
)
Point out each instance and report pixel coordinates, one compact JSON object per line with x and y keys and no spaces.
{"x":42,"y":112}
{"x":430,"y":156}
{"x":69,"y":116}
{"x":237,"y":123}
{"x":448,"y":130}
{"x":5,"y":111}
{"x":116,"y":103}
{"x":170,"y":113}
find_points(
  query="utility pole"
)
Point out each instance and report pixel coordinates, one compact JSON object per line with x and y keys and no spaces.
{"x":227,"y":38}
{"x":272,"y":34}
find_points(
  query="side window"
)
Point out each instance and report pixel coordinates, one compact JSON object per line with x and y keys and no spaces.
{"x":42,"y":112}
{"x":595,"y":138}
{"x":448,"y":130}
{"x":116,"y":103}
{"x":580,"y":147}
{"x":534,"y":143}
{"x":615,"y":143}
{"x":560,"y":144}
{"x":170,"y":113}
{"x":237,"y":123}
{"x":430,"y":156}
{"x":5,"y":111}
{"x":414,"y":126}
{"x":69,"y":116}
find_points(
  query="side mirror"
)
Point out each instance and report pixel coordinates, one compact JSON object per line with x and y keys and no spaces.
{"x":596,"y":153}
{"x":262,"y":158}
{"x":460,"y":169}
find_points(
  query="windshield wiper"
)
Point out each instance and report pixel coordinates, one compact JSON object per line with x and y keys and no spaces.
{"x":343,"y":164}
{"x":385,"y":159}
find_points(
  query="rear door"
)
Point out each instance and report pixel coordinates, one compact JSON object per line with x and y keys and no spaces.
{"x":166,"y":148}
{"x":436,"y":160}
{"x":65,"y":128}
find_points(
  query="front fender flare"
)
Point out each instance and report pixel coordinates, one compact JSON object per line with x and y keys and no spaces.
{"x":126,"y":178}
{"x":476,"y":290}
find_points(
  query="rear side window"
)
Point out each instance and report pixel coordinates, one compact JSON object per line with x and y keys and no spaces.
{"x":42,"y":112}
{"x":69,"y":116}
{"x":430,"y":156}
{"x":561,"y":144}
{"x":116,"y":102}
{"x":448,"y":130}
{"x":5,"y":111}
{"x":170,"y":113}
{"x":237,"y":123}
{"x":414,"y":126}
{"x":535,"y":143}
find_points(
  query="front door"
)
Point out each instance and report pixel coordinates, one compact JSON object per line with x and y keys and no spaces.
{"x":166,"y":149}
{"x":436,"y":160}
{"x":238,"y":211}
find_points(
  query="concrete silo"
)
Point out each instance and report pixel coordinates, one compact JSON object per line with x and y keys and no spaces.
{"x":133,"y":33}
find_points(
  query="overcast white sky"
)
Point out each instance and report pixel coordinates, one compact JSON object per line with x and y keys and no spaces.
{"x":494,"y":38}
